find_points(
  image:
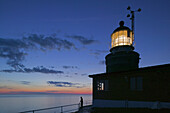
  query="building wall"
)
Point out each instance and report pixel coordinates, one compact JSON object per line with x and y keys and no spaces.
{"x":155,"y":86}
{"x":130,"y":104}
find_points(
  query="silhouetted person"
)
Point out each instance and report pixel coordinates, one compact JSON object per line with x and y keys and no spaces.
{"x":81,"y":102}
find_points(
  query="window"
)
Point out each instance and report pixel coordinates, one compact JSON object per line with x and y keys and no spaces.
{"x":136,"y":83}
{"x":132,"y":83}
{"x":102,"y":85}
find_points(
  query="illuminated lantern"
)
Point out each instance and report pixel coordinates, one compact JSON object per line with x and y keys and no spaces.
{"x":122,"y":36}
{"x":122,"y":56}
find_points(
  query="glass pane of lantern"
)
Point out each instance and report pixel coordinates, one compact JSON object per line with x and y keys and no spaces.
{"x":120,"y":38}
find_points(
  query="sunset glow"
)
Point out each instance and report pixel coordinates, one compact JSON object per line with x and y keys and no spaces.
{"x":51,"y":46}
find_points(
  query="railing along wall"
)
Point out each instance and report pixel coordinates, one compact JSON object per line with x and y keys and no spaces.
{"x":59,"y":107}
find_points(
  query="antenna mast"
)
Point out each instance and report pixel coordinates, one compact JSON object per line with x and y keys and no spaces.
{"x":132,"y":18}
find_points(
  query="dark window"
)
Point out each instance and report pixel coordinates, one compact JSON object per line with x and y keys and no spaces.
{"x":136,"y":83}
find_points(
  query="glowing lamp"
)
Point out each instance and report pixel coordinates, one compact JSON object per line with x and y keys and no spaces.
{"x":122,"y":36}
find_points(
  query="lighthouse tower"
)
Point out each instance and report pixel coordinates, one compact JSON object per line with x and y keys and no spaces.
{"x":122,"y":56}
{"x":125,"y":85}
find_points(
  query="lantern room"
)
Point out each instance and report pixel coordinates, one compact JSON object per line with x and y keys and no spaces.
{"x":122,"y":36}
{"x":122,"y":56}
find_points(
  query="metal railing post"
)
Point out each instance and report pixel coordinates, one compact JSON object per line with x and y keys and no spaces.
{"x":78,"y":106}
{"x":61,"y":109}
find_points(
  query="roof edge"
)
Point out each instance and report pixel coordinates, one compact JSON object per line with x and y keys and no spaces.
{"x":138,"y":69}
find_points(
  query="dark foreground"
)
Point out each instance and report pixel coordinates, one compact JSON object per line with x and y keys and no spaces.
{"x":89,"y":109}
{"x":125,"y":110}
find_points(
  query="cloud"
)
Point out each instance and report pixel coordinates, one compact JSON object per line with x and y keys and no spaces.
{"x":38,"y":69}
{"x":49,"y":42}
{"x":15,"y":43}
{"x":51,"y":66}
{"x":15,"y":50}
{"x":12,"y":51}
{"x":84,"y":74}
{"x":65,"y":84}
{"x":82,"y":39}
{"x":68,"y":67}
{"x":51,"y":91}
{"x":25,"y":82}
{"x":102,"y":62}
{"x":5,"y":87}
{"x":43,"y":70}
{"x":27,"y":92}
{"x":98,"y":52}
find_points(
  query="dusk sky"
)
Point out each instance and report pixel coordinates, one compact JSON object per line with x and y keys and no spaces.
{"x":51,"y":46}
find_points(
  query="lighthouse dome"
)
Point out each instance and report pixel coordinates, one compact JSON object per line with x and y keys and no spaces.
{"x":121,"y":27}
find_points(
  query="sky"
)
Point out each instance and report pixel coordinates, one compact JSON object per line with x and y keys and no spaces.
{"x":51,"y":46}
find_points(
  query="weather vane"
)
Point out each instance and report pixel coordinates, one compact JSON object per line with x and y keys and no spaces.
{"x":132,"y":16}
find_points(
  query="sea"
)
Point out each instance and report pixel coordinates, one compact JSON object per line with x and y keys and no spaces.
{"x":19,"y":103}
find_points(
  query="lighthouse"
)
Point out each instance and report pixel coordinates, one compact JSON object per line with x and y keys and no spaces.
{"x":125,"y":84}
{"x":122,"y":56}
